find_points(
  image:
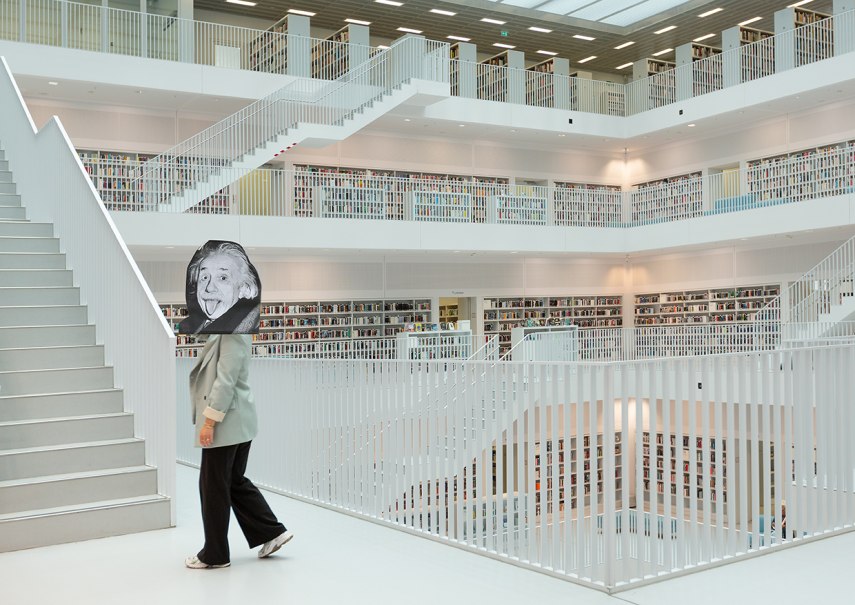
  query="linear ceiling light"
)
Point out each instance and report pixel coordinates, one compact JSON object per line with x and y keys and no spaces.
{"x":547,"y":52}
{"x":624,"y":45}
{"x":409,"y":31}
{"x":750,"y":21}
{"x":586,"y":59}
{"x":665,"y":29}
{"x":241,"y":2}
{"x":541,"y":30}
{"x":798,"y":3}
{"x":461,"y":38}
{"x":580,"y":37}
{"x":439,"y":11}
{"x":624,"y":66}
{"x":357,"y":21}
{"x":493,"y":21}
{"x":703,"y":37}
{"x":500,"y":45}
{"x":714,"y":11}
{"x":662,"y":52}
{"x":389,"y":2}
{"x":297,"y":11}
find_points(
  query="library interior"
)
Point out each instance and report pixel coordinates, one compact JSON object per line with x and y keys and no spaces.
{"x":560,"y":287}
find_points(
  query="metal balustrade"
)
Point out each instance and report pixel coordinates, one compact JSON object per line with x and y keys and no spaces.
{"x":611,"y":475}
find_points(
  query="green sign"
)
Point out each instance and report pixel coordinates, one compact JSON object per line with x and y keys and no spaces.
{"x":505,"y":34}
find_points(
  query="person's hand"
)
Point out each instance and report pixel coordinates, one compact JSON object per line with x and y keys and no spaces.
{"x":206,"y":435}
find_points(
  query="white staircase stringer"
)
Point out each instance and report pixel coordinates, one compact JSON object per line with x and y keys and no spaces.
{"x":307,"y":135}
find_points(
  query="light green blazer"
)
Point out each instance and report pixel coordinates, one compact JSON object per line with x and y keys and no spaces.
{"x":219,"y":390}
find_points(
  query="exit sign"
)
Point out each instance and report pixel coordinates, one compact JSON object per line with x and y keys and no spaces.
{"x":505,"y":34}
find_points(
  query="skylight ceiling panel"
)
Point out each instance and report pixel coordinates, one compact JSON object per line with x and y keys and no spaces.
{"x":563,"y":7}
{"x":603,"y":8}
{"x":641,"y":11}
{"x":521,"y":3}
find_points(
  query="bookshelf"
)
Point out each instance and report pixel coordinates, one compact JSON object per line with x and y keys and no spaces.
{"x":667,"y":199}
{"x":444,"y":206}
{"x":352,"y":202}
{"x":703,"y":306}
{"x":660,"y":80}
{"x":518,"y":210}
{"x":583,"y":205}
{"x":449,"y":312}
{"x":116,"y":176}
{"x":694,"y":468}
{"x":813,"y":37}
{"x":754,"y":59}
{"x":552,"y":470}
{"x":279,"y":50}
{"x":498,"y":79}
{"x":804,"y":174}
{"x":313,"y":327}
{"x":434,"y":344}
{"x":340,"y":52}
{"x":464,"y":58}
{"x":502,"y":314}
{"x":705,"y":75}
{"x":543,"y":88}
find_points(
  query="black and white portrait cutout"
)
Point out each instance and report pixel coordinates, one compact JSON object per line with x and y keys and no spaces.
{"x":223,"y":291}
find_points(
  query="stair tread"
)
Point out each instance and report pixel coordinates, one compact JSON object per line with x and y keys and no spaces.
{"x":113,"y":390}
{"x":63,"y":419}
{"x":59,"y":510}
{"x":69,"y":446}
{"x":55,"y":369}
{"x":102,"y":472}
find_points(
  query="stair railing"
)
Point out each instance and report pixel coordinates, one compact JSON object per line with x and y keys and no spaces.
{"x":302,"y":102}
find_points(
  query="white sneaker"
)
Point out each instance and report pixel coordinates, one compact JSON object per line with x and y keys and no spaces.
{"x":194,"y":563}
{"x":275,"y":544}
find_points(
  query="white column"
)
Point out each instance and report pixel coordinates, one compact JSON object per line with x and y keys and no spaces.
{"x":785,"y":48}
{"x":299,"y":46}
{"x":844,"y":27}
{"x":685,"y":75}
{"x":731,"y":42}
{"x":186,"y":33}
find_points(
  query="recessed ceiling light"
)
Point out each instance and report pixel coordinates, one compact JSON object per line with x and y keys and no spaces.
{"x":409,"y":31}
{"x":299,"y":12}
{"x":798,"y":3}
{"x":500,"y":45}
{"x":389,"y":2}
{"x":562,"y":135}
{"x":714,"y":11}
{"x":542,"y":30}
{"x":494,"y":21}
{"x":751,"y":21}
{"x":357,"y":21}
{"x":241,"y":2}
{"x":665,"y":29}
{"x":624,"y":66}
{"x":462,"y":125}
{"x":704,"y":37}
{"x":580,"y":37}
{"x":461,"y":38}
{"x":586,"y":59}
{"x":52,"y":83}
{"x":439,"y":11}
{"x":547,"y":52}
{"x":691,"y":125}
{"x":624,"y":45}
{"x":382,"y":47}
{"x":662,"y":52}
{"x":407,"y":119}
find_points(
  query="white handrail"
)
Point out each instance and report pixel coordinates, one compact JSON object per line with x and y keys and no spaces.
{"x":138,"y":342}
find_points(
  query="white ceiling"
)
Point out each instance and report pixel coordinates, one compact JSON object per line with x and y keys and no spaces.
{"x":612,"y":12}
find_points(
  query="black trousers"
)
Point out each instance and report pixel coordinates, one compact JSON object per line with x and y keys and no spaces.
{"x":223,"y":488}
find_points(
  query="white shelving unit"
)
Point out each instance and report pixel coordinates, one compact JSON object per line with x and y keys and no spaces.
{"x":518,"y":210}
{"x":702,"y":306}
{"x":352,"y":202}
{"x":435,"y":344}
{"x":667,"y":199}
{"x":444,"y":206}
{"x":283,"y":48}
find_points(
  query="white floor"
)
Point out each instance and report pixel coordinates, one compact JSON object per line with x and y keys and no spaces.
{"x":335,"y":559}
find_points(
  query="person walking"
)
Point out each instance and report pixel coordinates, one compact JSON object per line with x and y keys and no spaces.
{"x":226,"y":422}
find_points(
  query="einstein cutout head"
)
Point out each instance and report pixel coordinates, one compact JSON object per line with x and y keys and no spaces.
{"x":223,"y":291}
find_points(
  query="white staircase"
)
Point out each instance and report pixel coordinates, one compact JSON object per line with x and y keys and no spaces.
{"x":307,"y":112}
{"x":70,"y":467}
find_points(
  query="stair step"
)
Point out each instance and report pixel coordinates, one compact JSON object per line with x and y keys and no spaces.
{"x":35,"y":277}
{"x":26,"y":297}
{"x":53,"y":491}
{"x":28,"y":244}
{"x":4,"y":164}
{"x":8,"y":187}
{"x":46,"y":336}
{"x":58,"y":380}
{"x":26,"y":229}
{"x":10,"y":199}
{"x":5,"y":175}
{"x":12,"y":213}
{"x":73,"y":429}
{"x":42,"y":358}
{"x":21,"y":463}
{"x":84,"y":522}
{"x":57,"y":315}
{"x":81,"y":403}
{"x":31,"y":260}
